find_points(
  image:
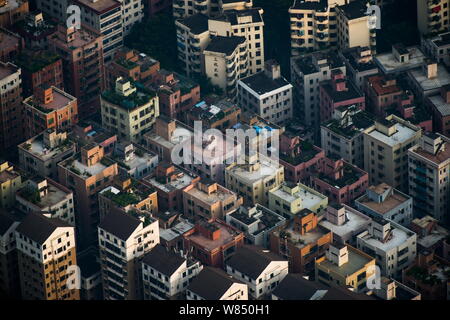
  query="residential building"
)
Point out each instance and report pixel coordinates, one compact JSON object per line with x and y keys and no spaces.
{"x":386,"y":145}
{"x":259,"y":269}
{"x":171,"y":232}
{"x":290,"y":199}
{"x":86,"y":173}
{"x":342,"y":136}
{"x":39,"y":68}
{"x":221,"y":115}
{"x":430,"y":235}
{"x":170,"y":181}
{"x":125,"y":238}
{"x":382,"y":92}
{"x":129,"y":110}
{"x":301,"y":241}
{"x":345,"y":223}
{"x":34,"y":30}
{"x":166,"y":274}
{"x":177,"y":95}
{"x":185,"y":8}
{"x":354,"y":26}
{"x":383,"y":201}
{"x":439,"y":105}
{"x":11,"y":113}
{"x":133,"y":160}
{"x":344,"y":265}
{"x":132,"y":65}
{"x":209,"y":200}
{"x":256,"y":222}
{"x":340,"y":181}
{"x":46,"y":252}
{"x":432,"y":16}
{"x":82,"y":54}
{"x":11,"y":45}
{"x":267,"y":94}
{"x":339,"y":93}
{"x":254,"y":179}
{"x":429,"y":276}
{"x":213,"y":242}
{"x":128,"y":195}
{"x":393,"y":246}
{"x":307,"y":72}
{"x":428,"y":79}
{"x":41,"y":154}
{"x":9,"y":277}
{"x":91,"y":276}
{"x":52,"y":9}
{"x":10,"y":182}
{"x":49,"y":108}
{"x":220,"y":286}
{"x":429,"y":176}
{"x":12,"y":12}
{"x":391,"y":289}
{"x":437,"y":47}
{"x":104,"y":17}
{"x":313,"y":25}
{"x":299,"y":158}
{"x":48,"y":198}
{"x":132,"y":13}
{"x":87,"y":132}
{"x":400,"y":59}
{"x":359,"y":64}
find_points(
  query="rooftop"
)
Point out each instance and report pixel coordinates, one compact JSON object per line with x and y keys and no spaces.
{"x":307,"y":152}
{"x":55,"y":194}
{"x":439,"y":158}
{"x":37,"y":147}
{"x":309,"y":198}
{"x":197,"y":23}
{"x":267,"y":168}
{"x":220,"y":195}
{"x":261,"y":83}
{"x":350,"y":175}
{"x":440,"y":105}
{"x":99,"y":6}
{"x":398,"y":237}
{"x":135,"y":100}
{"x":130,"y":197}
{"x":352,"y":91}
{"x":354,"y":10}
{"x":265,"y":219}
{"x":183,"y":178}
{"x":75,"y":165}
{"x":402,"y":135}
{"x":180,"y":228}
{"x":394,"y":200}
{"x":226,"y":45}
{"x":299,"y":240}
{"x":33,"y":61}
{"x":309,"y":64}
{"x":426,"y":84}
{"x":354,"y":222}
{"x":357,"y":260}
{"x":389,"y":64}
{"x":359,"y":122}
{"x":61,"y":100}
{"x":227,"y":235}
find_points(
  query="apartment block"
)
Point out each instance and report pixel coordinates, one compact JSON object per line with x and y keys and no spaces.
{"x":125,"y":238}
{"x":429,"y":176}
{"x":131,"y":65}
{"x":209,"y":200}
{"x":10,"y":182}
{"x":48,"y":198}
{"x":177,"y":95}
{"x":353,"y":26}
{"x":83,"y":69}
{"x":34,"y":30}
{"x":431,"y":236}
{"x":46,"y":251}
{"x":213,"y":242}
{"x":432,"y":16}
{"x":221,"y":286}
{"x":256,"y":222}
{"x":299,"y":158}
{"x":11,"y":45}
{"x":39,"y":68}
{"x":128,"y":195}
{"x":259,"y":269}
{"x":307,"y":72}
{"x":267,"y":94}
{"x":129,"y":110}
{"x":12,"y":12}
{"x":185,"y":8}
{"x":220,"y":115}
{"x":344,"y":265}
{"x":132,"y":13}
{"x":344,"y":222}
{"x":394,"y":247}
{"x":254,"y":179}
{"x":385,"y":202}
{"x":104,"y":17}
{"x":173,"y":227}
{"x":290,"y":199}
{"x":428,"y":79}
{"x":170,"y":181}
{"x":386,"y":145}
{"x":166,"y":274}
{"x":400,"y":59}
{"x":439,"y":105}
{"x":133,"y":160}
{"x":9,"y":277}
{"x":49,"y":108}
{"x":359,"y":64}
{"x":301,"y":241}
{"x":87,"y":173}
{"x":340,"y":181}
{"x":437,"y":47}
{"x":338,"y":92}
{"x":342,"y":136}
{"x":11,"y":113}
{"x":87,"y":132}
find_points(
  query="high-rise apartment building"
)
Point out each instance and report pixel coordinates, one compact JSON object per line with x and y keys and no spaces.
{"x":433,"y":16}
{"x":186,"y":8}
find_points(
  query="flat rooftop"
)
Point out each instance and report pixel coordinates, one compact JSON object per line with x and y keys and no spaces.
{"x":441,"y":157}
{"x":356,"y":261}
{"x":440,"y":105}
{"x":183,"y":179}
{"x":267,"y":168}
{"x":260,"y":83}
{"x":60,"y":100}
{"x":38,"y":148}
{"x":389,"y":64}
{"x":7,"y":69}
{"x":55,"y":195}
{"x":402,"y":135}
{"x":222,"y":194}
{"x":442,"y":79}
{"x":75,"y":165}
{"x":308,"y":198}
{"x":7,"y":175}
{"x":391,"y":202}
{"x":227,"y":235}
{"x":177,"y":230}
{"x":399,"y":237}
{"x":99,"y":6}
{"x":353,"y":223}
{"x":302,"y":240}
